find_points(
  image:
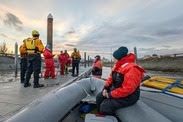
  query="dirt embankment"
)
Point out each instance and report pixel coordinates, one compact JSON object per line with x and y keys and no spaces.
{"x":170,"y":64}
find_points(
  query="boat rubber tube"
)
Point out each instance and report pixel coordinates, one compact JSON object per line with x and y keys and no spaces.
{"x":140,"y":112}
{"x":53,"y":106}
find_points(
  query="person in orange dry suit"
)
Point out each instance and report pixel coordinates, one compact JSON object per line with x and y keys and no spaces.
{"x":122,"y":88}
{"x":62,"y":61}
{"x":67,"y":62}
{"x":97,"y":67}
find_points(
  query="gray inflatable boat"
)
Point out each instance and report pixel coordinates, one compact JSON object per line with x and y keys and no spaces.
{"x":63,"y":105}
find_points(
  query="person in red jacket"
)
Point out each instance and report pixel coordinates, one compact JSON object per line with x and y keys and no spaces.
{"x":62,"y":61}
{"x":50,"y":68}
{"x":67,"y":62}
{"x":122,"y":87}
{"x":97,"y":67}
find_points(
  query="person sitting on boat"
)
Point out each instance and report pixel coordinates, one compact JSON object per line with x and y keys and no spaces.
{"x":97,"y":67}
{"x":122,"y":87}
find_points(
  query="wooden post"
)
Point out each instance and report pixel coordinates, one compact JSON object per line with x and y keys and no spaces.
{"x":88,"y":60}
{"x":50,"y":31}
{"x":85,"y":59}
{"x":16,"y":59}
{"x":135,"y":51}
{"x":111,"y":58}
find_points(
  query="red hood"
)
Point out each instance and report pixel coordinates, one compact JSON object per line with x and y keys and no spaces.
{"x":129,"y":58}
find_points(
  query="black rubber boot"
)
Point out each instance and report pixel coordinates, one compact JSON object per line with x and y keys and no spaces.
{"x":27,"y":84}
{"x":38,"y":85}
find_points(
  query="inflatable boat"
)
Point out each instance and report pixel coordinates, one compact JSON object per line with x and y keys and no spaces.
{"x":63,"y":104}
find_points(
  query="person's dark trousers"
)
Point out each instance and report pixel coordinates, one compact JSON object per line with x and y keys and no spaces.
{"x":66,"y":69}
{"x":34,"y":65}
{"x":110,"y":105}
{"x":23,"y":69}
{"x":77,"y":68}
{"x":73,"y":68}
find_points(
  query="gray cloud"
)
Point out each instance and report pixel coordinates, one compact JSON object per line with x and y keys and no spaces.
{"x":169,"y":32}
{"x":12,"y":20}
{"x":135,"y":32}
{"x":147,"y":49}
{"x":71,"y":31}
{"x":164,"y":51}
{"x":166,"y":46}
{"x":68,"y":33}
{"x":70,"y":45}
{"x":3,"y":35}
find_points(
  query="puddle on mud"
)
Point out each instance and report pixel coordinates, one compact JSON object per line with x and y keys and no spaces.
{"x":7,"y":76}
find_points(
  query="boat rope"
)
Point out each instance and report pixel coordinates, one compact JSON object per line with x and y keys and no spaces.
{"x":89,"y":97}
{"x":171,"y":85}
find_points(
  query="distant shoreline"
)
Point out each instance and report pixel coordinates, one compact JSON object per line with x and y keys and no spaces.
{"x":165,"y":64}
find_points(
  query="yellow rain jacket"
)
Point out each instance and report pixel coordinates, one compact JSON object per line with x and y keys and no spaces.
{"x":33,"y":45}
{"x":75,"y":55}
{"x":23,"y":51}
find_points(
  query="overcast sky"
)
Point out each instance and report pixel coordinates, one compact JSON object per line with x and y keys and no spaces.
{"x":97,"y":26}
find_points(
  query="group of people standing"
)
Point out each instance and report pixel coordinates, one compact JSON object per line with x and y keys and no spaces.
{"x":64,"y":61}
{"x":31,"y":51}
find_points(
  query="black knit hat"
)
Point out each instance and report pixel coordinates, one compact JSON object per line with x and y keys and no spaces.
{"x":97,"y":56}
{"x":120,"y":53}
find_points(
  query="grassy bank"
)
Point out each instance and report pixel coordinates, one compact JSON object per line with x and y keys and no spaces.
{"x":166,"y":64}
{"x":169,"y":64}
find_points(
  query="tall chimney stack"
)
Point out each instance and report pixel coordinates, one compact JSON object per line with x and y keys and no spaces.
{"x":50,"y":31}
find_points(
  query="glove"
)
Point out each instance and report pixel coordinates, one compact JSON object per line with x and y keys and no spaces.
{"x":36,"y":49}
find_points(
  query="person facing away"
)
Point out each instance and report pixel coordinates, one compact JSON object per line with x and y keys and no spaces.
{"x":62,"y":62}
{"x":23,"y":62}
{"x":97,"y":67}
{"x":34,"y":48}
{"x":49,"y":61}
{"x":67,"y":61}
{"x":122,"y":87}
{"x":75,"y":62}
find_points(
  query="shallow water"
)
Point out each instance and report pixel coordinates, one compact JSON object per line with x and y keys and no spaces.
{"x":8,"y":76}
